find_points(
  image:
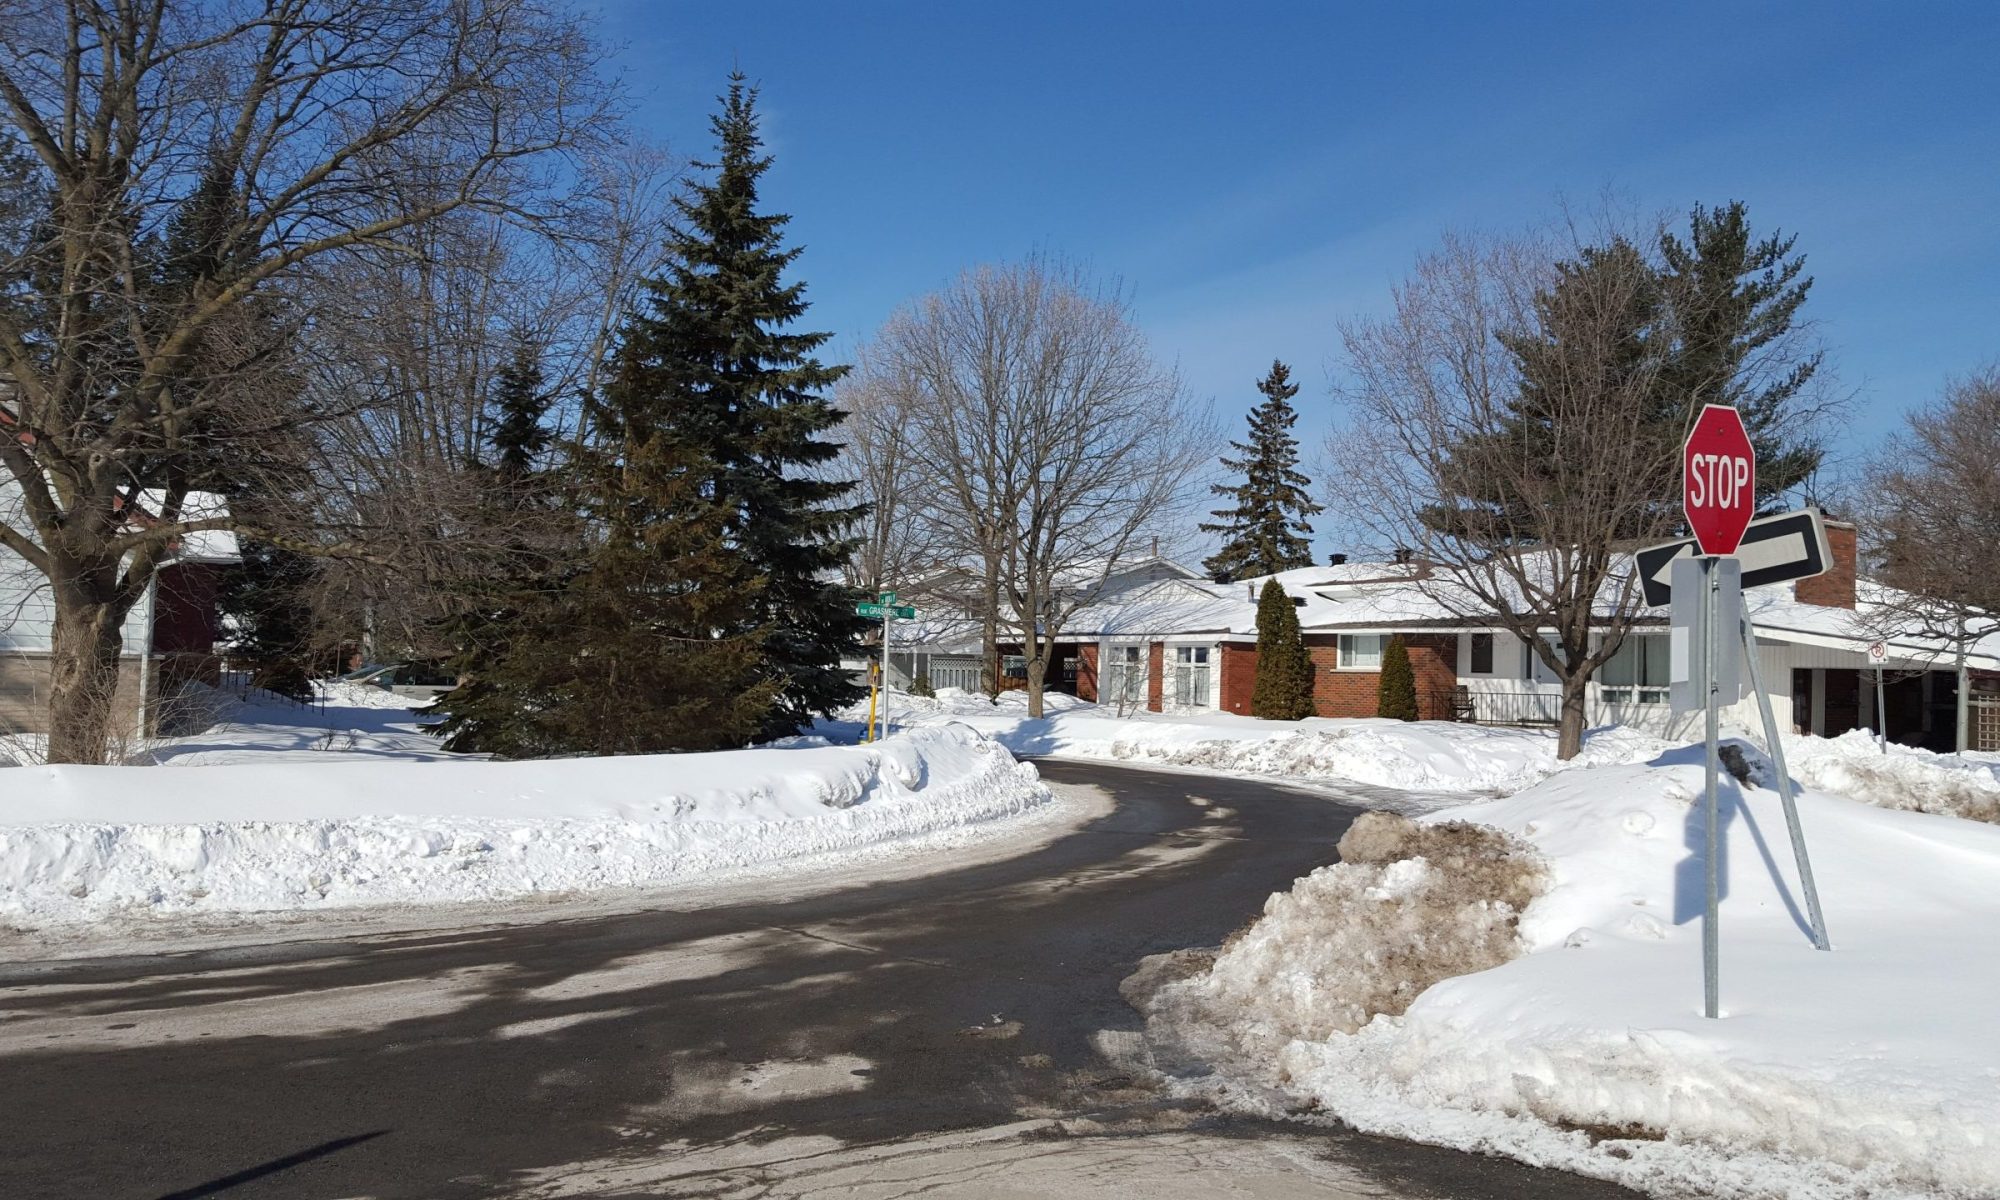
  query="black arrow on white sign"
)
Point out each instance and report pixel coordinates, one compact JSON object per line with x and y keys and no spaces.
{"x":1775,"y":550}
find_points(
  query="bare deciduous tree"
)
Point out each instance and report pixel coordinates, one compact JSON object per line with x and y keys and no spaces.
{"x":1933,"y":505}
{"x":330,"y":129}
{"x":1052,"y":439}
{"x":901,"y":542}
{"x":1434,"y":391}
{"x":1518,"y":420}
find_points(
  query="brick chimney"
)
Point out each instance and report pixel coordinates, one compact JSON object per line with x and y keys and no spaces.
{"x":1835,"y":589}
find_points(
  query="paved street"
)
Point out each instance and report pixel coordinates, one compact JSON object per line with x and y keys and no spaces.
{"x":940,"y":1035}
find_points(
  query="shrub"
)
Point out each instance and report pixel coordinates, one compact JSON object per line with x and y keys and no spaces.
{"x":1396,"y":694}
{"x":1283,"y":691}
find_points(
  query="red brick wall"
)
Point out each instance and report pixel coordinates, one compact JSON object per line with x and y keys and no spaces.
{"x":1337,"y":693}
{"x":1434,"y":661}
{"x":186,"y":618}
{"x":1156,"y":677}
{"x":1239,"y":677}
{"x":1835,"y":589}
{"x":1086,"y":671}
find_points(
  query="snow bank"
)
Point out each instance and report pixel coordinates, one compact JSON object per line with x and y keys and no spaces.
{"x":1907,"y":777}
{"x":79,"y":844}
{"x":1871,"y":1071}
{"x":1408,"y":905}
{"x":1432,"y":756}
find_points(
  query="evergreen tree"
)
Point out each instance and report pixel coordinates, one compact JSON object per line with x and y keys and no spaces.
{"x":509,"y":596}
{"x":1396,"y":689}
{"x":517,"y":435}
{"x":748,"y":393}
{"x":1735,"y":296}
{"x":265,"y":596}
{"x":1688,"y":333}
{"x":1283,"y":691}
{"x":1265,"y":530}
{"x":708,"y":612}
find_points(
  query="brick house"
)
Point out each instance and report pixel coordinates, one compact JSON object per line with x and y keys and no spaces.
{"x":1177,"y":643}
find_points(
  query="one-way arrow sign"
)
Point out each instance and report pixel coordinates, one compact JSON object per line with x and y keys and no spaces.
{"x":1774,"y":550}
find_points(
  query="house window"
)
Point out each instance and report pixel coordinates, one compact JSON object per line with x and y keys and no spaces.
{"x":1637,"y":672}
{"x":1482,"y":654}
{"x":1014,"y":666}
{"x":1360,"y":651}
{"x":1126,"y":676}
{"x":1191,"y":677}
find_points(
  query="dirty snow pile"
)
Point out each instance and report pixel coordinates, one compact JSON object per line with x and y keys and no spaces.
{"x":302,"y":828}
{"x":1407,"y":905}
{"x":1872,"y":1071}
{"x":1431,"y":756}
{"x":1910,"y":778}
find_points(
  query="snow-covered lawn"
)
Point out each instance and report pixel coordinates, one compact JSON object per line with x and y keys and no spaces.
{"x":286,"y":808}
{"x":1870,"y":1071}
{"x":1427,"y":756}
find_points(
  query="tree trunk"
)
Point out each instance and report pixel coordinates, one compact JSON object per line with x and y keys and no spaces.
{"x":1038,"y":665}
{"x":83,"y":667}
{"x":989,"y":634}
{"x":1569,"y":730}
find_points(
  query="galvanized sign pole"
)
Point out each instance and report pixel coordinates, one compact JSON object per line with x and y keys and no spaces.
{"x":1718,"y":496}
{"x":1777,"y":746}
{"x":1705,"y":589}
{"x":1711,"y":926}
{"x":886,"y":608}
{"x":888,"y":615}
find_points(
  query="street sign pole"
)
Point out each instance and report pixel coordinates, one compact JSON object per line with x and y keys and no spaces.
{"x":1777,"y":746}
{"x":1711,"y":932}
{"x":1881,"y":714}
{"x":887,"y":617}
{"x":1718,"y":497}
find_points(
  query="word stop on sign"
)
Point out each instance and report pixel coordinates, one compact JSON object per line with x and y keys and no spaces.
{"x":1717,"y":480}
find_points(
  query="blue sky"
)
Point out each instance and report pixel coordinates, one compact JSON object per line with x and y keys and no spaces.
{"x":1255,"y":173}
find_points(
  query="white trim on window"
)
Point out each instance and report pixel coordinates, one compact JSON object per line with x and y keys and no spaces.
{"x":1191,"y":679}
{"x":1123,"y":674}
{"x":1636,"y":673}
{"x":1360,"y":651}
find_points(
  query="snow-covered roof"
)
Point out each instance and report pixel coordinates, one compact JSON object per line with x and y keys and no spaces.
{"x":203,"y":545}
{"x":1386,"y":597}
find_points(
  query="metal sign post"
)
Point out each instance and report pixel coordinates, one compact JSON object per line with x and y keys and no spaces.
{"x":1708,"y":609}
{"x":1879,"y":654}
{"x":1702,"y":578}
{"x":888,"y":598}
{"x":886,"y":608}
{"x":1777,"y":746}
{"x":1718,"y":497}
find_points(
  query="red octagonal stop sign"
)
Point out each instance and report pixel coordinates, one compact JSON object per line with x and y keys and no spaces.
{"x":1718,"y":479}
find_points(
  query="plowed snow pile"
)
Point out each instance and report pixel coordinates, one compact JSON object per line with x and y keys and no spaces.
{"x":1429,"y":756}
{"x":1872,"y":1071}
{"x":301,"y":829}
{"x":1907,"y":777}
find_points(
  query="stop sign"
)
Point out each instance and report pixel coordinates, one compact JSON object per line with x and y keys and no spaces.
{"x":1718,"y":479}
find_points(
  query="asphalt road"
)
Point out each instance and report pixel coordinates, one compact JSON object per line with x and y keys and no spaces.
{"x":956,"y":1018}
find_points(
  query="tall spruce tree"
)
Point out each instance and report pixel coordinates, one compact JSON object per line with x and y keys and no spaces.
{"x":1265,"y":527}
{"x":708,"y":611}
{"x":748,"y":393}
{"x":1283,"y":690}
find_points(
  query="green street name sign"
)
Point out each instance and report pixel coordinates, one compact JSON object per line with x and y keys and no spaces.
{"x":901,"y":611}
